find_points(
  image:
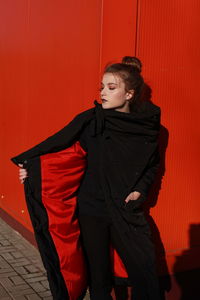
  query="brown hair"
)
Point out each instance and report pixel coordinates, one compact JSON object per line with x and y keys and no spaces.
{"x":129,"y":70}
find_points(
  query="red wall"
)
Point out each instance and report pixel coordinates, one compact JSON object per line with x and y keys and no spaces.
{"x":52,"y":55}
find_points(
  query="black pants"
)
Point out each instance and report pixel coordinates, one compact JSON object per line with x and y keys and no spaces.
{"x":97,"y":234}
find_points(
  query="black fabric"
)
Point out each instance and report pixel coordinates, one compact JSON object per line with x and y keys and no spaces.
{"x":61,"y":140}
{"x":128,"y":161}
{"x":95,"y":237}
{"x":40,"y":224}
{"x":91,"y":198}
{"x":118,"y":127}
{"x":97,"y":233}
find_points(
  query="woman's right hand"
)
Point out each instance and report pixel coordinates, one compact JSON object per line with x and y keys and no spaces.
{"x":22,"y":173}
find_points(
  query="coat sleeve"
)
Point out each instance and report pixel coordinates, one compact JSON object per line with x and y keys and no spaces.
{"x":149,"y":173}
{"x":59,"y":141}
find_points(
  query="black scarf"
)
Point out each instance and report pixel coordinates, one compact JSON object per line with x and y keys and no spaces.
{"x":145,"y":123}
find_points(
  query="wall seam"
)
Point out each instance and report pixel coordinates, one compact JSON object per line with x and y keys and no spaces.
{"x":101,"y":40}
{"x":137,"y":27}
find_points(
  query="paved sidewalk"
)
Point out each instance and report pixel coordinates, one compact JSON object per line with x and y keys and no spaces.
{"x":22,"y":275}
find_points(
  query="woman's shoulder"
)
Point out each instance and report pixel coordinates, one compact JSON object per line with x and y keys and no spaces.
{"x":83,"y":117}
{"x":149,"y":108}
{"x":86,"y":113}
{"x":154,"y":107}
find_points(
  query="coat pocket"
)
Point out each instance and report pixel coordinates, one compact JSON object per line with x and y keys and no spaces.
{"x":133,"y":205}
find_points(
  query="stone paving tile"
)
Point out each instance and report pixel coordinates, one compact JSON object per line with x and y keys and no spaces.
{"x":22,"y":275}
{"x":3,"y":293}
{"x":44,"y":295}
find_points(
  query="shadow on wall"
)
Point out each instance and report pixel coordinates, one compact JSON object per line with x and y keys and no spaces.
{"x":162,"y":269}
{"x":189,"y":280}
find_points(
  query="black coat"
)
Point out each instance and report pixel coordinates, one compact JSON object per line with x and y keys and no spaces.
{"x":129,"y":161}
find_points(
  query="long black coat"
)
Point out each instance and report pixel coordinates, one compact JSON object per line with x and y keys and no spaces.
{"x":129,"y":161}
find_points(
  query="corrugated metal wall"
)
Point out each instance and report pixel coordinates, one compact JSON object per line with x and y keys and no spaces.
{"x":52,"y":55}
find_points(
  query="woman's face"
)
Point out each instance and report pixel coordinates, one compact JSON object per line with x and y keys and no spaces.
{"x":113,"y":94}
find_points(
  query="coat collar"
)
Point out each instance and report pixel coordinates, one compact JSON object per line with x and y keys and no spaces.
{"x":146,"y":122}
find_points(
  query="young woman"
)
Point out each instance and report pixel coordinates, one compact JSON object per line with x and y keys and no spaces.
{"x":119,"y":141}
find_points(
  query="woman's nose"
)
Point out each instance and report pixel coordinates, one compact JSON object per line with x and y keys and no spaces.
{"x":102,"y":92}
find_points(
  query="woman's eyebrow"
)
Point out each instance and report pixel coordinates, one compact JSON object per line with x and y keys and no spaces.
{"x":110,"y":83}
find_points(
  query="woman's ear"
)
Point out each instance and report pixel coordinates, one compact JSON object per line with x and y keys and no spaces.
{"x":129,"y":94}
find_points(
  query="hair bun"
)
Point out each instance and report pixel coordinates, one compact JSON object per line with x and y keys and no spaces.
{"x":133,"y":61}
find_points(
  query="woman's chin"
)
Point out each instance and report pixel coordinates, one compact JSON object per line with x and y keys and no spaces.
{"x":106,"y":105}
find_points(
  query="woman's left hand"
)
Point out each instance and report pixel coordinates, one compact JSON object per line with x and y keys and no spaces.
{"x":132,"y":196}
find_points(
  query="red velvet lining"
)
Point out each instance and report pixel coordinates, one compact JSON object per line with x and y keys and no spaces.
{"x":61,"y":173}
{"x":119,"y":268}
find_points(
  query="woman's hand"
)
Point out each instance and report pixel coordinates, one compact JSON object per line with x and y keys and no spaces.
{"x":22,"y":173}
{"x":132,"y":196}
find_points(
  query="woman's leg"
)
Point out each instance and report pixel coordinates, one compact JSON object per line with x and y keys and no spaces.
{"x":95,"y":235}
{"x":141,"y":291}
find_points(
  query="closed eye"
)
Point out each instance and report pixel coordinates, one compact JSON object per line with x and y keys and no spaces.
{"x":109,"y":89}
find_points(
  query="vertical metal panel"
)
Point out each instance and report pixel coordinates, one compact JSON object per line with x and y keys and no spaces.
{"x":168,"y":45}
{"x":119,"y":23}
